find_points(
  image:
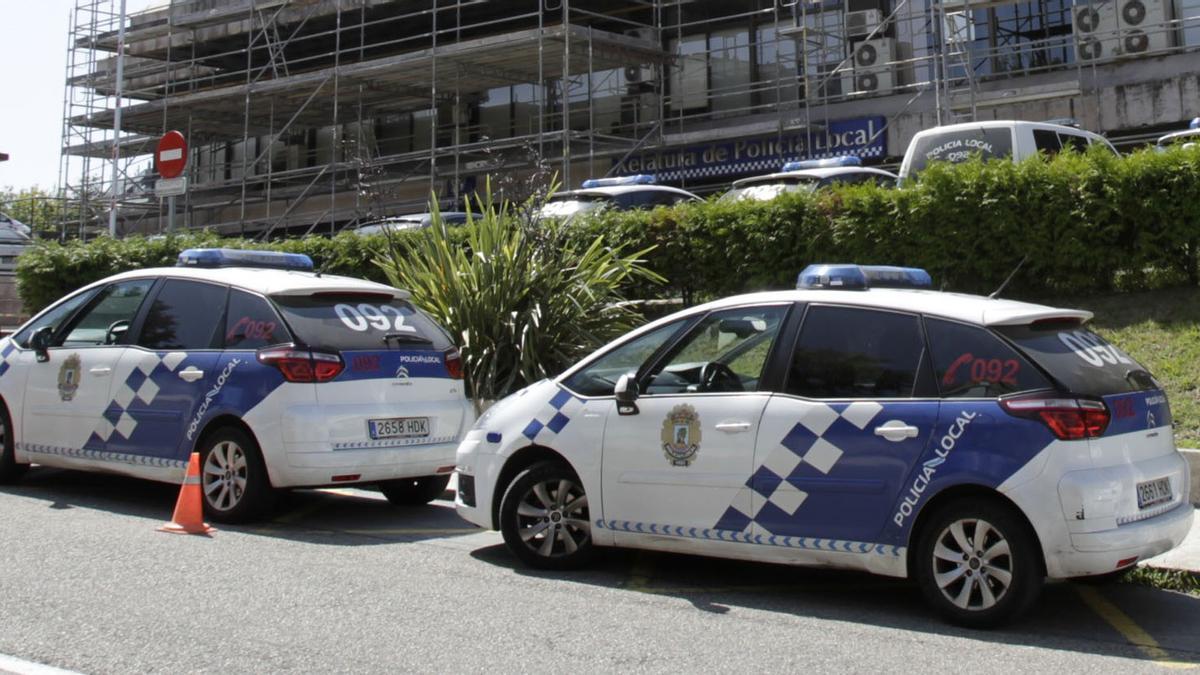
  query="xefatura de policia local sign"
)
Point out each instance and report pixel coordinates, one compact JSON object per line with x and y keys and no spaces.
{"x":865,"y":137}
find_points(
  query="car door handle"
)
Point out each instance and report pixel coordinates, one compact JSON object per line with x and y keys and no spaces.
{"x":100,"y":371}
{"x":733,"y":427}
{"x":191,"y":374}
{"x":895,"y":430}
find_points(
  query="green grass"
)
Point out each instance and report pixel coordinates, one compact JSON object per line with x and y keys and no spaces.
{"x":1161,"y":329}
{"x":1167,"y":580}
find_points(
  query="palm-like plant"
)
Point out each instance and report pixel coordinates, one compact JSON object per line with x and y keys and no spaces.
{"x":523,"y":299}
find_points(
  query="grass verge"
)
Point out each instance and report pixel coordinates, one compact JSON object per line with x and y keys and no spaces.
{"x":1165,"y":580}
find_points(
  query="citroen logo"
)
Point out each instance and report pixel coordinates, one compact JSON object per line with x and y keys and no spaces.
{"x":402,"y":373}
{"x":1150,"y":419}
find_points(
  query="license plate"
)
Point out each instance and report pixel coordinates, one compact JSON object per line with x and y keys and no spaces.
{"x":399,"y":427}
{"x":1153,"y":492}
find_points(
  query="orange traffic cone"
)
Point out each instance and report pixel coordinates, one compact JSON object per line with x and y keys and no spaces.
{"x":189,"y":510}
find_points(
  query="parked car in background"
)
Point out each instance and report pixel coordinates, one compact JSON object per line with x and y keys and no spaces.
{"x":994,"y":139}
{"x":1188,"y":138}
{"x":13,"y":243}
{"x":627,"y":193}
{"x":277,"y":375}
{"x":7,"y":222}
{"x":808,"y":176}
{"x":411,"y":221}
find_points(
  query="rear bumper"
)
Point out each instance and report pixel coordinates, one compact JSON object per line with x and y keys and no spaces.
{"x":1099,"y":552}
{"x":369,"y":465}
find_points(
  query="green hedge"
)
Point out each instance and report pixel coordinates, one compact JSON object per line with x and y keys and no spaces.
{"x":1086,"y":223}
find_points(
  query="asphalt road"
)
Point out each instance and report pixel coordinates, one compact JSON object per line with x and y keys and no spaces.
{"x":343,"y":582}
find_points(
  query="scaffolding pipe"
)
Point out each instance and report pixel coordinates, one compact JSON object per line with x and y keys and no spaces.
{"x":116,"y":145}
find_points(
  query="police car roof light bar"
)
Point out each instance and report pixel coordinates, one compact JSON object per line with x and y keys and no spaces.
{"x":639,"y":179}
{"x":228,"y":257}
{"x":828,"y":163}
{"x":1195,"y":123}
{"x":848,"y":277}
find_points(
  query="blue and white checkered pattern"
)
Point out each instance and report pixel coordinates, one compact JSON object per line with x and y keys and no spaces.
{"x":141,"y":384}
{"x":553,"y":418}
{"x":717,"y":534}
{"x":6,"y":350}
{"x":84,"y":453}
{"x":804,"y":445}
{"x":762,"y":166}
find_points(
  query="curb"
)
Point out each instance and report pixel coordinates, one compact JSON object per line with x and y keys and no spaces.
{"x":1193,"y":459}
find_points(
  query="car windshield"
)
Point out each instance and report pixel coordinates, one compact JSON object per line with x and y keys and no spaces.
{"x":766,"y":189}
{"x":568,"y":205}
{"x":360,"y":321}
{"x":1082,"y":361}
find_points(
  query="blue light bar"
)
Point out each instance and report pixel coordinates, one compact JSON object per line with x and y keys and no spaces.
{"x":861,"y":277}
{"x":1195,"y":124}
{"x":831,"y":162}
{"x":229,"y":257}
{"x":640,"y":179}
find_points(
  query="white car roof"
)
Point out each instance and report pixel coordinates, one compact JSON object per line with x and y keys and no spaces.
{"x":1176,"y":135}
{"x":1008,"y":124}
{"x":974,"y":309}
{"x":625,"y":189}
{"x":816,"y":173}
{"x":265,"y":281}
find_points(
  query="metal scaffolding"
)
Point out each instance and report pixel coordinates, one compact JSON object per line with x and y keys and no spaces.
{"x":314,"y":115}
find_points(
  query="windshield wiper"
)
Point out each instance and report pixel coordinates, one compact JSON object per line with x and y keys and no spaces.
{"x":406,"y":338}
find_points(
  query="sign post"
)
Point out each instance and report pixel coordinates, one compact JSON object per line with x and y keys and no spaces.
{"x":170,"y":158}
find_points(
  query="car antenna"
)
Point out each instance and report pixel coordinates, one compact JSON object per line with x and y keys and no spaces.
{"x":996,"y":293}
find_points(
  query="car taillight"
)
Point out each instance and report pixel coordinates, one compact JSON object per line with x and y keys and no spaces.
{"x":454,"y":364}
{"x":1070,"y":419}
{"x":302,"y":365}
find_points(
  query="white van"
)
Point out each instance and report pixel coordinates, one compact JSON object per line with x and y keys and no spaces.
{"x":993,"y":139}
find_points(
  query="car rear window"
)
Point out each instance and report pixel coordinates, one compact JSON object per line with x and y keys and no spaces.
{"x":1082,"y":361}
{"x":959,"y":146}
{"x":359,"y":321}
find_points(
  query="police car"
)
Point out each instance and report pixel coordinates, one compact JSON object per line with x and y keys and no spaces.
{"x":626,"y":193}
{"x":861,"y":421}
{"x":808,"y":176}
{"x":1186,"y":138}
{"x":278,"y":376}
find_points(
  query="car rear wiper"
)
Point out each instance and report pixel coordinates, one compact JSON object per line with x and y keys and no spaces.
{"x":407,"y":338}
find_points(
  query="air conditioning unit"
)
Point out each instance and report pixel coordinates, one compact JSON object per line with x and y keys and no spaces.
{"x":641,"y":77}
{"x":1096,"y":31}
{"x":863,"y":22}
{"x":874,"y":69}
{"x":1143,"y":26}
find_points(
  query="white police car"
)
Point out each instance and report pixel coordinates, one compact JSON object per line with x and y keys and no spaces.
{"x":977,"y":445}
{"x":278,"y":376}
{"x":808,"y":176}
{"x":626,"y":193}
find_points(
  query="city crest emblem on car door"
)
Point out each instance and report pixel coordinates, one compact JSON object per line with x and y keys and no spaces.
{"x":681,"y":435}
{"x":68,"y":377}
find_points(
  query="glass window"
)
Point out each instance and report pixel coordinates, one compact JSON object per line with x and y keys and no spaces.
{"x":359,"y":321}
{"x":959,"y":146}
{"x":110,"y":314}
{"x":55,"y":316}
{"x":1080,"y":360}
{"x":1075,"y":142}
{"x":1046,"y":141}
{"x":847,"y":352}
{"x":729,"y":68}
{"x":599,"y":377}
{"x":725,"y":352}
{"x":689,"y":74}
{"x":970,"y":362}
{"x":184,"y":315}
{"x":251,"y":323}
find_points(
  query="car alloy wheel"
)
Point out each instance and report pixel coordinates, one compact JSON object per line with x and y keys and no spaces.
{"x":972,"y":564}
{"x":544,"y":517}
{"x":225,"y":474}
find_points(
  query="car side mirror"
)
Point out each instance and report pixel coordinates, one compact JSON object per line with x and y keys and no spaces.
{"x":626,"y":393}
{"x":40,"y":342}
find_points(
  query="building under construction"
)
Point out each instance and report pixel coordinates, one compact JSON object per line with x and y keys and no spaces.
{"x":315,"y":115}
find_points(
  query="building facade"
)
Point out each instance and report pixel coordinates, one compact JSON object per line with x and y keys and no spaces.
{"x":315,"y":115}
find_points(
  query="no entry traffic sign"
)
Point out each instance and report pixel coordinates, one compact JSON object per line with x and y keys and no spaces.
{"x":171,"y":156}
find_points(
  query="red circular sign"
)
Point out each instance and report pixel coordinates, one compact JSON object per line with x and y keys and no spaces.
{"x":170,"y":158}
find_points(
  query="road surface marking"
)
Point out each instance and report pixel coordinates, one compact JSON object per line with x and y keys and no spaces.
{"x":1126,"y":626}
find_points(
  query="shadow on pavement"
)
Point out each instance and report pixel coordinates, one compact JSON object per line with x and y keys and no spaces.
{"x":1060,"y":620}
{"x":345,"y":517}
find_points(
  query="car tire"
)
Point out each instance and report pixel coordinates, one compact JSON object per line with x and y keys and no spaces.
{"x":973,"y":584}
{"x":544,"y":517}
{"x":10,"y":470}
{"x":233,"y":477}
{"x":414,"y":491}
